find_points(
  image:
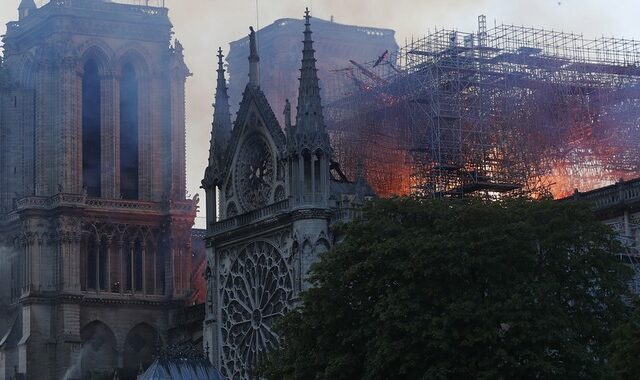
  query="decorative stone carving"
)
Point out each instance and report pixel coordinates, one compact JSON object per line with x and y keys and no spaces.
{"x":255,"y":172}
{"x":257,"y":289}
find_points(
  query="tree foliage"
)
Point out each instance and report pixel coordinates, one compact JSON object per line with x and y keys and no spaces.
{"x":459,"y":289}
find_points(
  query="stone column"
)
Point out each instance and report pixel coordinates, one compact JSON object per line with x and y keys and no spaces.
{"x":110,"y":135}
{"x":45,"y":106}
{"x":70,"y":124}
{"x":143,"y":270}
{"x":145,"y":158}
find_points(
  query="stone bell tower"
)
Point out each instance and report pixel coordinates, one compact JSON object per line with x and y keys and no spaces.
{"x":94,"y":224}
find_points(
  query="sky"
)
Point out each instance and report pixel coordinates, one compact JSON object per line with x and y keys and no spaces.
{"x":204,"y":25}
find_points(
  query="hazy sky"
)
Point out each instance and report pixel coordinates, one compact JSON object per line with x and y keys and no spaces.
{"x":203,"y":25}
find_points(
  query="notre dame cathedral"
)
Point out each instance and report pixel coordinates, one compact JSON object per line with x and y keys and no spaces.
{"x":94,"y":224}
{"x":272,"y":195}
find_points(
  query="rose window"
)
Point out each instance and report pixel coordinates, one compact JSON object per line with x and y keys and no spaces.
{"x":254,"y":173}
{"x":257,"y":289}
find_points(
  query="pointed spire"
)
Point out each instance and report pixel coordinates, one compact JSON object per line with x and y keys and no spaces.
{"x":221,"y":127}
{"x":254,"y":59}
{"x":309,"y":111}
{"x":287,"y":114}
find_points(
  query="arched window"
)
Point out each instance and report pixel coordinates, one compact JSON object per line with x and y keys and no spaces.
{"x":96,"y":264}
{"x":91,"y":116}
{"x":307,"y":174}
{"x":129,"y":133}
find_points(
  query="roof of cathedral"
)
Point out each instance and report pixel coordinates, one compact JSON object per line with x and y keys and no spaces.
{"x":181,"y":363}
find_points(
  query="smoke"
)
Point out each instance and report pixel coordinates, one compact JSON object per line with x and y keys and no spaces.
{"x":98,"y":353}
{"x":73,"y":372}
{"x":203,"y":25}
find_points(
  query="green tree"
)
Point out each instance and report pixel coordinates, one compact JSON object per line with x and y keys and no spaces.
{"x":625,"y":348}
{"x":459,"y":289}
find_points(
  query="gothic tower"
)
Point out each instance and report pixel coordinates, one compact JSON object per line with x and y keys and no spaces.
{"x":275,"y":204}
{"x":94,"y":224}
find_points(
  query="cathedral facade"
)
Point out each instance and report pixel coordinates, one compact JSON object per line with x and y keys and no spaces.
{"x":272,"y":195}
{"x":94,"y":222}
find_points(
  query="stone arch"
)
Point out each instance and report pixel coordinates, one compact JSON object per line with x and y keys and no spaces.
{"x":99,"y":354}
{"x":25,"y":71}
{"x":100,"y":53}
{"x":322,"y":246}
{"x":140,"y":348}
{"x":136,"y":56}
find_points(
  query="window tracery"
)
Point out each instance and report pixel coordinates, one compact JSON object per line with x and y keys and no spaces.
{"x":257,"y":288}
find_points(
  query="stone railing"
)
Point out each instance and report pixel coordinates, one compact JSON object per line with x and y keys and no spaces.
{"x":250,"y":217}
{"x":123,"y":204}
{"x":152,"y":7}
{"x":135,"y":8}
{"x":345,"y":215}
{"x":622,"y":192}
{"x":82,"y":201}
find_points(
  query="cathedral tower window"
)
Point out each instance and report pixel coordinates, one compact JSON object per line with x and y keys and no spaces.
{"x":96,"y":264}
{"x":91,"y":125}
{"x":129,"y":133}
{"x":307,"y":174}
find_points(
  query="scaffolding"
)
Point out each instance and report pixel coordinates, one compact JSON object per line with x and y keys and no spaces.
{"x":507,"y":110}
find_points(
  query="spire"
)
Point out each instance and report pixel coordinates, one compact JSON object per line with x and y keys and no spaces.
{"x":26,"y":7}
{"x":221,"y":127}
{"x":309,"y":111}
{"x":287,"y":114}
{"x":254,"y":59}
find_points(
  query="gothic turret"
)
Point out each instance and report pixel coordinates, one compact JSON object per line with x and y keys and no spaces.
{"x":309,"y":111}
{"x":220,"y":136}
{"x":308,"y":142}
{"x":221,"y":127}
{"x":25,"y":8}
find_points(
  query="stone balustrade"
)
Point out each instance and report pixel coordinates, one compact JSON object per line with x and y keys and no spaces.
{"x":250,"y":217}
{"x":621,"y":193}
{"x":88,"y":203}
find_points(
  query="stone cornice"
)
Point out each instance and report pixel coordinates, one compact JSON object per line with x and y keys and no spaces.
{"x":105,"y":299}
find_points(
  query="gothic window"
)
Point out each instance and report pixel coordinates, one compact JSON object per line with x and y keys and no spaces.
{"x":257,"y":289}
{"x":307,"y":172}
{"x":91,"y":115}
{"x":254,"y":173}
{"x":129,"y":133}
{"x":95,"y":271}
{"x":317,"y":171}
